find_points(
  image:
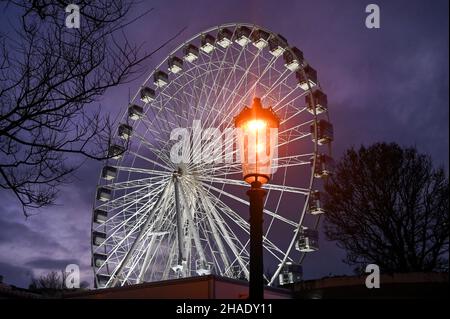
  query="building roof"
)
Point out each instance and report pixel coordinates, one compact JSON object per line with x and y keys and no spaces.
{"x":392,"y":286}
{"x":201,"y":287}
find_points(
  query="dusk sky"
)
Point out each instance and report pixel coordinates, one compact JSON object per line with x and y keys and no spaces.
{"x":389,"y":84}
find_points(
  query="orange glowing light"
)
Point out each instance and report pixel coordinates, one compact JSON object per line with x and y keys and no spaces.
{"x":255,"y":141}
{"x":254,"y":125}
{"x":260,"y":147}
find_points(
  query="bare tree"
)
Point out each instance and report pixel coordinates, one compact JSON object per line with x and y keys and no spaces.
{"x":51,"y":281}
{"x":53,"y":284}
{"x":50,"y":78}
{"x":389,"y":206}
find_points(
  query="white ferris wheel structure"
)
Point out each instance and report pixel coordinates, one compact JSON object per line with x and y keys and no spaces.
{"x":155,"y":220}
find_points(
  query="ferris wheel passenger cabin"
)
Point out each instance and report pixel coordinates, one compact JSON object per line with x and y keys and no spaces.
{"x":307,"y":240}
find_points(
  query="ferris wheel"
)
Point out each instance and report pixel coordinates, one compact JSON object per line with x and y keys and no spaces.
{"x":158,"y":219}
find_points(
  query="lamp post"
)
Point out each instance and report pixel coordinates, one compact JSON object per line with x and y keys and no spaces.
{"x":257,"y":139}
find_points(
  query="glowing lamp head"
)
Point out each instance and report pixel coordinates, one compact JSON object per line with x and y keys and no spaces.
{"x":257,"y":140}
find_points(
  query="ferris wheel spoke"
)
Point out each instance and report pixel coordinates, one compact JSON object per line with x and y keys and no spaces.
{"x":125,"y":199}
{"x":147,"y":248}
{"x":212,"y":147}
{"x":296,"y":128}
{"x":237,"y":85}
{"x":293,"y":139}
{"x":173,"y":95}
{"x":170,"y":260}
{"x":134,"y":183}
{"x":145,"y":158}
{"x":201,"y":76}
{"x":294,"y":115}
{"x":150,"y":199}
{"x":293,"y":133}
{"x":117,"y":243}
{"x":137,"y":215}
{"x":288,"y":189}
{"x":188,"y":83}
{"x":268,"y":186}
{"x":158,"y":117}
{"x":150,"y":126}
{"x":142,"y":170}
{"x":153,"y":114}
{"x":225,"y":118}
{"x":146,"y":223}
{"x":215,"y":233}
{"x":294,"y":160}
{"x":217,"y":264}
{"x":134,"y":260}
{"x":289,"y":132}
{"x":235,"y":106}
{"x":244,"y":225}
{"x":204,"y":109}
{"x":162,"y":255}
{"x":155,"y":150}
{"x":282,"y":77}
{"x":180,"y":90}
{"x":221,"y":169}
{"x":148,"y":258}
{"x":126,"y":207}
{"x":158,"y":137}
{"x":231,"y":239}
{"x":277,"y":208}
{"x":228,"y":79}
{"x":190,"y":213}
{"x":218,"y":75}
{"x":188,"y":97}
{"x":207,"y":90}
{"x":280,"y":104}
{"x":243,"y":201}
{"x":250,"y":90}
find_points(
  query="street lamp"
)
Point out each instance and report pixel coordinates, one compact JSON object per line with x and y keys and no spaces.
{"x":257,"y":140}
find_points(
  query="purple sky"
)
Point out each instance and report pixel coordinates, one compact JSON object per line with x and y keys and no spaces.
{"x":389,"y":84}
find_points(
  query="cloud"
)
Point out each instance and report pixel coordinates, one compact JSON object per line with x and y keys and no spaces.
{"x":21,"y":235}
{"x":51,"y":264}
{"x":50,"y":240}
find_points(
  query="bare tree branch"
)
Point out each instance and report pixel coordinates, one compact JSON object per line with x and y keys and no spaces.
{"x":50,"y":78}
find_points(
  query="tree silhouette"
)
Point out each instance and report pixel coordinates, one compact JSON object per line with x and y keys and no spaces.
{"x":53,"y":284}
{"x":51,"y":281}
{"x":50,"y":78}
{"x":387,"y":205}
